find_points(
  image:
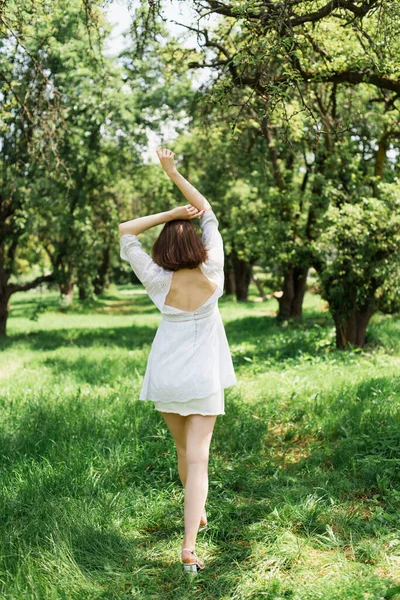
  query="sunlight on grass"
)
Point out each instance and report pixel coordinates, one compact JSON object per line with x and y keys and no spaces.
{"x":303,"y":481}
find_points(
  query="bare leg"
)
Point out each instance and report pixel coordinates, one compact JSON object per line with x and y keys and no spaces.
{"x":198,"y":438}
{"x":192,"y":436}
{"x":177,"y":426}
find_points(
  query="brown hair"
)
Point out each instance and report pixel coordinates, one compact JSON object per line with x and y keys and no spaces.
{"x":179,"y":246}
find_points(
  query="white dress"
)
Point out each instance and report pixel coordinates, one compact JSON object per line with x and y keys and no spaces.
{"x":190,"y":363}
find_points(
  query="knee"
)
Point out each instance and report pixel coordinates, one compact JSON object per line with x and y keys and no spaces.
{"x":197,"y":457}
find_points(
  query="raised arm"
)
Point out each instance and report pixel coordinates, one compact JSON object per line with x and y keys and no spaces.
{"x":212,"y":238}
{"x":188,"y":190}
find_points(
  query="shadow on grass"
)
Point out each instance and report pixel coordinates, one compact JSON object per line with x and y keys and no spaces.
{"x":135,"y":304}
{"x":262,"y":338}
{"x":132,"y":337}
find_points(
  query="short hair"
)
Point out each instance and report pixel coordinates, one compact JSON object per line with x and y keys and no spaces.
{"x":179,"y":246}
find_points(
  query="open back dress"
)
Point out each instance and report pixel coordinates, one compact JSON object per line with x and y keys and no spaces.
{"x":190,"y":363}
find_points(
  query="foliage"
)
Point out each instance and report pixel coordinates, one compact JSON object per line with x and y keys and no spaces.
{"x":278,"y":49}
{"x":51,"y":126}
{"x":359,"y":253}
{"x":74,"y":127}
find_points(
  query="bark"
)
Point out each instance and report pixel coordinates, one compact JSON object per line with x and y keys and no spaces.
{"x":101,"y":281}
{"x":300,"y":286}
{"x":67,"y":290}
{"x":259,"y":286}
{"x":267,"y":132}
{"x":230,"y":286}
{"x":294,"y":288}
{"x":243,"y":271}
{"x":7,"y":289}
{"x":380,"y":159}
{"x":269,"y":13}
{"x":352,"y":329}
{"x":4,"y":297}
{"x":82,"y":292}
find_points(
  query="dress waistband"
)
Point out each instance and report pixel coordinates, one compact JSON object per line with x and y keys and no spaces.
{"x":190,"y":316}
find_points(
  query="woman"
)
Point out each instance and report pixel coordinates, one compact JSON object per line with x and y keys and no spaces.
{"x":189,"y":364}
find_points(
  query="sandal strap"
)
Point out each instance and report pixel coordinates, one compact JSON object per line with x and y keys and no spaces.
{"x":192,"y":551}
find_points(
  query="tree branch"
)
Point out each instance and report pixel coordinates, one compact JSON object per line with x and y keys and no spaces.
{"x":23,"y":287}
{"x":277,"y":9}
{"x":324,"y":11}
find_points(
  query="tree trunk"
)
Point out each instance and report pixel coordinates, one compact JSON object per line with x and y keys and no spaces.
{"x":4,"y":297}
{"x":67,"y":292}
{"x":259,"y":286}
{"x":100,"y":281}
{"x":230,"y":287}
{"x":7,"y":289}
{"x":242,"y":271}
{"x":352,"y":329}
{"x":380,"y":158}
{"x":82,"y":291}
{"x":300,"y":286}
{"x":294,"y":288}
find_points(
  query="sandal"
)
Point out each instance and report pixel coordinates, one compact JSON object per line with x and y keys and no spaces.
{"x":192,"y":564}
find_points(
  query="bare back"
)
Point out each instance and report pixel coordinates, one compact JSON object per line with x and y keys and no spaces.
{"x":189,"y":290}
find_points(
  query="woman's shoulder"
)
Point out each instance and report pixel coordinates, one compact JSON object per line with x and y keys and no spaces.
{"x":214,"y":271}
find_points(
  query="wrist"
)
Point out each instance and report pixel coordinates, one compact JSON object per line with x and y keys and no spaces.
{"x":172,"y":173}
{"x":170,"y":215}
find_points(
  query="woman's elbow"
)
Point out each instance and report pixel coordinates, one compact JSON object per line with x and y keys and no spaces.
{"x":121,"y":229}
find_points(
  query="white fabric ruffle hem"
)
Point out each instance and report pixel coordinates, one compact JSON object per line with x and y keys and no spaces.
{"x":213,"y":404}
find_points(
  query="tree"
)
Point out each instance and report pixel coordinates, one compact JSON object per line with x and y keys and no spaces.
{"x":359,"y":268}
{"x":68,"y":131}
{"x":281,"y":51}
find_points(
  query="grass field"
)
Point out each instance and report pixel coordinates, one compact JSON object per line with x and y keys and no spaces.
{"x":304,"y":495}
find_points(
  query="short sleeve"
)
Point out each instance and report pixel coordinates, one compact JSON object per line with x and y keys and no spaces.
{"x":212,"y":238}
{"x":144,"y":267}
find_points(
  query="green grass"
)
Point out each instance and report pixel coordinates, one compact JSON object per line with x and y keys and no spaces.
{"x":304,"y":495}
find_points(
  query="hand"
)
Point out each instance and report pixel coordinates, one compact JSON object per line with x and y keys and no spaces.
{"x":167,"y":159}
{"x":186,"y":212}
